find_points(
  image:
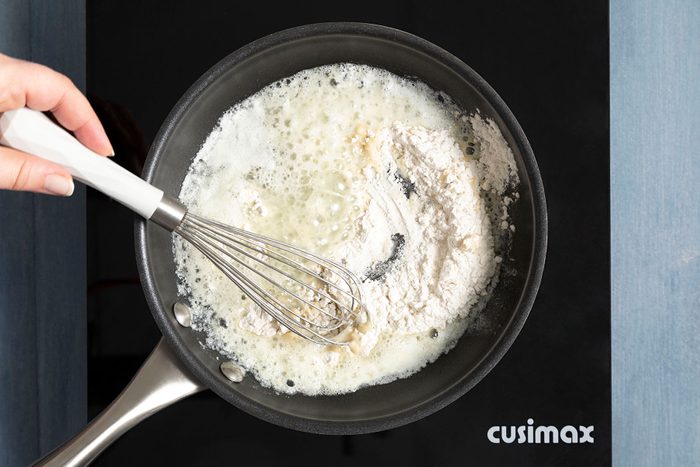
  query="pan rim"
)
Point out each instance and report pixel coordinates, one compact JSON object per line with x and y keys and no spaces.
{"x":498,"y":348}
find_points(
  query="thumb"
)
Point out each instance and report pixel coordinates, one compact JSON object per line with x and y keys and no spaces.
{"x":24,"y":172}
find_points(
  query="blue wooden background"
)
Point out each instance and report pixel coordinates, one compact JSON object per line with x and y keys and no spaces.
{"x":655,"y":169}
{"x":43,"y":346}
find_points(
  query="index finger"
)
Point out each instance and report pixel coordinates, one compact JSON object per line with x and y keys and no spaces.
{"x":41,"y":88}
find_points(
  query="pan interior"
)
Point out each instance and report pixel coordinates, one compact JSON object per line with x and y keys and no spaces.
{"x":242,"y":74}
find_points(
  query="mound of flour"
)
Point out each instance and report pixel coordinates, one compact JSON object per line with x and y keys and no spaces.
{"x":448,"y":257}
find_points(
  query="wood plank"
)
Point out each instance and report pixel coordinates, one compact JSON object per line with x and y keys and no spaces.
{"x":43,"y":386}
{"x":655,"y":110}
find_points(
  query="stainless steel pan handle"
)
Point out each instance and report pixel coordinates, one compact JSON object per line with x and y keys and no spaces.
{"x":162,"y":380}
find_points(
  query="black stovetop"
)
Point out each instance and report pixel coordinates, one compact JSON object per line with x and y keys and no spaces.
{"x":550,"y":65}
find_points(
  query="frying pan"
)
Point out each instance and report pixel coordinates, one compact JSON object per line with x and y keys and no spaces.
{"x":181,"y":366}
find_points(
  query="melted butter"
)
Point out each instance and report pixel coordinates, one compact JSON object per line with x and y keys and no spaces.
{"x":288,"y":163}
{"x":320,"y":197}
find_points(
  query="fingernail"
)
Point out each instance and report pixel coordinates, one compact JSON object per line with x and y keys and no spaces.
{"x":59,"y":185}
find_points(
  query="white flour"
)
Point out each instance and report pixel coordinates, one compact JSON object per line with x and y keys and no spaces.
{"x":368,"y":169}
{"x":448,"y":258}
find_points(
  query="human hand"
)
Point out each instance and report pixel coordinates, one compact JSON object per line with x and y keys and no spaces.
{"x":41,"y":88}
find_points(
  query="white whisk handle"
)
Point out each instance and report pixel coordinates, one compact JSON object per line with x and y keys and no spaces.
{"x":34,"y":133}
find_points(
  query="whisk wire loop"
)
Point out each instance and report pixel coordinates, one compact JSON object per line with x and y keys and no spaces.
{"x":231,"y":242}
{"x":325,"y":303}
{"x":262,"y":298}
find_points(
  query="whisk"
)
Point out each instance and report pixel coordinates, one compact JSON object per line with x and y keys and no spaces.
{"x":311,"y":296}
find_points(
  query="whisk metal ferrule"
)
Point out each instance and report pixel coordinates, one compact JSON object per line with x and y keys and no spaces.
{"x":169,"y":213}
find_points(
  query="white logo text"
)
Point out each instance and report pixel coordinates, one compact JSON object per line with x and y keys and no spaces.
{"x":540,"y":434}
